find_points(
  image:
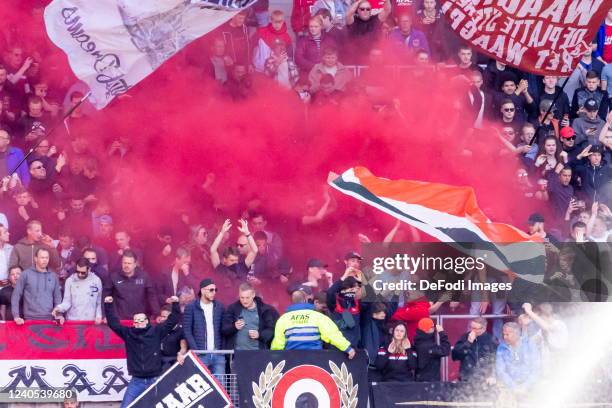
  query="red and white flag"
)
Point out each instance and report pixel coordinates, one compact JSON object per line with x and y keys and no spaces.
{"x":114,"y":44}
{"x":450,"y":214}
{"x":545,"y":37}
{"x":80,"y":356}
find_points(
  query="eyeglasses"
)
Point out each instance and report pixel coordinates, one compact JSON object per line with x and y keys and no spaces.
{"x":241,"y":245}
{"x":37,"y":168}
{"x":140,"y":321}
{"x":508,"y":109}
{"x":523,"y":175}
{"x":364,"y":9}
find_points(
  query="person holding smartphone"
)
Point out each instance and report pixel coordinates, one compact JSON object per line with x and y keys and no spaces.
{"x":248,"y":324}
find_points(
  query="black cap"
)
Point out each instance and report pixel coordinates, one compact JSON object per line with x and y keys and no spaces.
{"x":349,"y":282}
{"x":205,"y":282}
{"x":352,"y":255}
{"x":300,"y":287}
{"x":316,"y":263}
{"x":591,"y":105}
{"x":535,"y":217}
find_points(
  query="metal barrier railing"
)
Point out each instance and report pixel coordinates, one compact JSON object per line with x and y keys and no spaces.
{"x":230,"y":381}
{"x":396,"y":71}
{"x":440,"y":320}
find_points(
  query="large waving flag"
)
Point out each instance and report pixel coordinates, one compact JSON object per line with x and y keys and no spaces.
{"x":114,"y":44}
{"x":450,"y":214}
{"x":546,"y":37}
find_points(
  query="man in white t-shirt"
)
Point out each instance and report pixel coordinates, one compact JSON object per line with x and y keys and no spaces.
{"x":202,"y":326}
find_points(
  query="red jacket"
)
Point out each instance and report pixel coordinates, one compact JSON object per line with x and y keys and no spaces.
{"x":300,"y":15}
{"x":410,"y":314}
{"x":269,"y":35}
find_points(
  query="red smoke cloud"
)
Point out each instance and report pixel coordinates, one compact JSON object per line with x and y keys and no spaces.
{"x":271,"y":147}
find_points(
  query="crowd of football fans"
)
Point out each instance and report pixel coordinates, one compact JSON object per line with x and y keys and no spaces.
{"x":64,"y":247}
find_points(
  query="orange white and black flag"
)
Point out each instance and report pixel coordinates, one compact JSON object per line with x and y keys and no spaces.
{"x":451,"y":215}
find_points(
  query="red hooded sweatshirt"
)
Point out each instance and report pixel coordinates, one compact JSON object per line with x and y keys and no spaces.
{"x":411,"y":313}
{"x":270,"y":36}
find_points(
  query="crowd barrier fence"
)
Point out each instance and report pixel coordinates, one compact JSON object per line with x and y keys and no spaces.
{"x":230,"y":381}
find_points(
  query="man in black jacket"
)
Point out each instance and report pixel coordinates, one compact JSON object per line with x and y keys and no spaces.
{"x":476,"y":350}
{"x":595,"y":175}
{"x":132,"y":289}
{"x":429,"y":352}
{"x":142,"y":346}
{"x":248,"y":324}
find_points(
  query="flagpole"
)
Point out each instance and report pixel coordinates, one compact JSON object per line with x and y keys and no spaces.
{"x":552,"y":105}
{"x":53,"y":129}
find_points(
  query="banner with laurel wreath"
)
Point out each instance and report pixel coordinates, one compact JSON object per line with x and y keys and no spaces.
{"x":300,"y":378}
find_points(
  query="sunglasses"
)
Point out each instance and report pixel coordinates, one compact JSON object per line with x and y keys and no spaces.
{"x":508,"y":109}
{"x":37,"y":168}
{"x":212,"y":290}
{"x":570,"y":138}
{"x":364,"y":9}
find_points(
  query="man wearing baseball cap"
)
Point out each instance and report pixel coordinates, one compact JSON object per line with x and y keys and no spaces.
{"x":202,"y":326}
{"x":318,"y":278}
{"x":594,"y":174}
{"x":588,"y":126}
{"x":535,"y":224}
{"x":567,"y":136}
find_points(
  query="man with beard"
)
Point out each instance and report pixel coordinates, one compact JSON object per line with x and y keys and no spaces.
{"x":25,"y":248}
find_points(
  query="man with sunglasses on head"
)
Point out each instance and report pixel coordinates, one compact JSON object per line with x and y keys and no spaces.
{"x":142,"y":346}
{"x":82,"y":295}
{"x":202,"y":326}
{"x":364,"y":27}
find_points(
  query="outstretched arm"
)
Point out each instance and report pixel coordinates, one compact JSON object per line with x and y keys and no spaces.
{"x":214,"y":248}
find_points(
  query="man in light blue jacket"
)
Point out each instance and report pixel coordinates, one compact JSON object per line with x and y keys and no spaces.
{"x":517,"y":362}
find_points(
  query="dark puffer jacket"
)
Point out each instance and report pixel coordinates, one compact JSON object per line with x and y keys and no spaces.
{"x":142,"y":346}
{"x":477,"y":358}
{"x":429,"y":354}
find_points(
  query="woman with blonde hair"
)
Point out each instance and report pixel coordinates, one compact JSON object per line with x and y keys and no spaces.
{"x":398,"y":361}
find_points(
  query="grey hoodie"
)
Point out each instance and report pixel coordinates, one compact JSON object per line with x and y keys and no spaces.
{"x":82,"y":298}
{"x":40,"y":291}
{"x":588,"y":130}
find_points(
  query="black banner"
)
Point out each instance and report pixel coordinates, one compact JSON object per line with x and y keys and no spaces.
{"x":299,"y":379}
{"x":425,"y":395}
{"x":187,"y":385}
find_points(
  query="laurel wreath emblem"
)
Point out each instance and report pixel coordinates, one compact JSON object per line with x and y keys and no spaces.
{"x":269,"y":378}
{"x":344,"y":382}
{"x":262,"y":391}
